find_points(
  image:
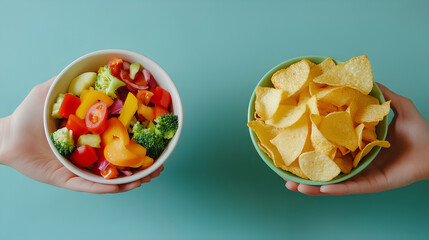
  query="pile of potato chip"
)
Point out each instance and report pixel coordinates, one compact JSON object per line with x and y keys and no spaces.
{"x":319,"y":120}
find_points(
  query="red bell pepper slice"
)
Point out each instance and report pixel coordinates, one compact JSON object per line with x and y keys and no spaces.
{"x":159,"y":111}
{"x":77,"y":125}
{"x":161,"y":97}
{"x":96,"y":118}
{"x":115,"y":65}
{"x":84,"y":156}
{"x":69,"y":105}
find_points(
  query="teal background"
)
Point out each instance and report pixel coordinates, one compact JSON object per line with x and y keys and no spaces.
{"x":215,"y":186}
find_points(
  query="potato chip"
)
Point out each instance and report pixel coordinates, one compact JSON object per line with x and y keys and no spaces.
{"x":338,"y":96}
{"x":265,"y":133}
{"x":369,"y":134}
{"x":320,"y":143}
{"x":355,"y":73}
{"x":295,"y":169}
{"x":312,"y":106}
{"x":321,"y":68}
{"x":352,"y":109}
{"x":267,"y":101}
{"x":345,"y":163}
{"x":359,"y":131}
{"x":364,"y":100}
{"x":292,"y":79}
{"x":291,"y":141}
{"x":372,"y":113}
{"x":286,"y":116}
{"x":338,"y":128}
{"x":344,"y":151}
{"x":266,"y":150}
{"x":318,"y":166}
{"x":368,"y":148}
{"x":326,"y":108}
{"x":316,"y":119}
{"x":315,"y":87}
{"x":371,"y":124}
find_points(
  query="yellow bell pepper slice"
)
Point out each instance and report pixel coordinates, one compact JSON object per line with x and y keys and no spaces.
{"x":90,"y":98}
{"x":129,"y":109}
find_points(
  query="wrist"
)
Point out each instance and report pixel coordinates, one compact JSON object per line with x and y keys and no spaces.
{"x":4,"y":143}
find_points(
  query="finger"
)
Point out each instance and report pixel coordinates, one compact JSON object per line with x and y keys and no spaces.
{"x":371,"y":183}
{"x":145,"y":179}
{"x":82,"y":185}
{"x":399,"y":103}
{"x":291,"y":185}
{"x":157,"y":172}
{"x":310,"y":190}
{"x":129,"y":186}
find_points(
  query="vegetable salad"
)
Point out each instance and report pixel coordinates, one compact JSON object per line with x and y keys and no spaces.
{"x":114,"y":122}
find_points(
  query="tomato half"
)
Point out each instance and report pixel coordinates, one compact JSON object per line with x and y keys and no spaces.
{"x":115,"y":65}
{"x":96,"y":118}
{"x":84,"y":156}
{"x":161,"y":97}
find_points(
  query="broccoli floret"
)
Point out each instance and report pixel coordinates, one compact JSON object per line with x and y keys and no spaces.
{"x":154,"y":143}
{"x":57,"y":105}
{"x":166,"y":125}
{"x":107,"y":83}
{"x":63,"y":141}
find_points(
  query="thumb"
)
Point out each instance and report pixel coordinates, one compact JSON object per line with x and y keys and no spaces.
{"x":399,"y":103}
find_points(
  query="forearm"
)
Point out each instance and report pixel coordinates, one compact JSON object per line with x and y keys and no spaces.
{"x":4,"y":136}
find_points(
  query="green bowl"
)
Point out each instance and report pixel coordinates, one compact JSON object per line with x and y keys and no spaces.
{"x":381,"y":128}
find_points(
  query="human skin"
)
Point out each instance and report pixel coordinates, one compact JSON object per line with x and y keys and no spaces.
{"x":405,"y":162}
{"x":23,"y":146}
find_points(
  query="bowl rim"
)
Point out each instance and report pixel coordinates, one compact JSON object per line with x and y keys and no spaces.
{"x":178,"y":110}
{"x":288,"y":175}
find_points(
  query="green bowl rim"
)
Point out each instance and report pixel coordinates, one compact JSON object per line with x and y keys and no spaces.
{"x":290,"y":176}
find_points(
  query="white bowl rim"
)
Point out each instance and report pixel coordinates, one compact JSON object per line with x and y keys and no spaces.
{"x":178,"y":110}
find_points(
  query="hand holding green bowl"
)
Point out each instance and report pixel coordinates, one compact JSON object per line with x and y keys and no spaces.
{"x":381,"y":128}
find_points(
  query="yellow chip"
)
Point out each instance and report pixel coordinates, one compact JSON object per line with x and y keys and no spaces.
{"x":292,"y":79}
{"x":267,"y":101}
{"x":359,"y":131}
{"x":320,"y":143}
{"x":315,"y":87}
{"x":318,"y":167}
{"x":266,"y":150}
{"x":367,"y":149}
{"x":338,"y":128}
{"x":295,"y":169}
{"x":372,"y":113}
{"x":365,"y":100}
{"x":321,"y":68}
{"x":265,"y":133}
{"x":338,"y":96}
{"x":312,"y":106}
{"x":286,"y":116}
{"x":316,"y":119}
{"x":352,"y":109}
{"x":369,"y":134}
{"x":345,"y":163}
{"x":326,"y":108}
{"x":344,"y":151}
{"x":291,"y":141}
{"x":355,"y":73}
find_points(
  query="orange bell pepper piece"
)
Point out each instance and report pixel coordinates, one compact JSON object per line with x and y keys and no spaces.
{"x":144,"y":96}
{"x":146,"y":112}
{"x":90,"y":98}
{"x":129,"y":109}
{"x":114,"y":130}
{"x":131,"y":155}
{"x":110,"y":172}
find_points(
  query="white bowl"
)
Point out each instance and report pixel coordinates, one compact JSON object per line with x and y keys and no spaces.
{"x":90,"y":63}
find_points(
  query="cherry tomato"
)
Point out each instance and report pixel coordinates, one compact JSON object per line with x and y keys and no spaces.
{"x":84,"y":156}
{"x":115,"y":65}
{"x":161,"y":97}
{"x":96,"y":118}
{"x":159,"y":111}
{"x":139,"y":79}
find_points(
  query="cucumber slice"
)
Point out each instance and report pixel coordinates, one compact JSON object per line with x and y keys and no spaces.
{"x":57,"y":105}
{"x":134,"y":69}
{"x":92,"y":140}
{"x":81,"y":82}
